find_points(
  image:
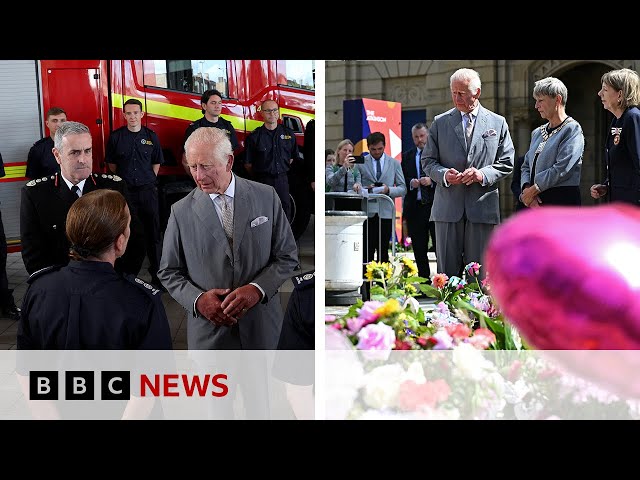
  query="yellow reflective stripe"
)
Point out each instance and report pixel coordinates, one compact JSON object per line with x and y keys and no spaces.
{"x":18,"y":171}
{"x":174,"y":111}
{"x":192,"y":114}
{"x":305,"y":117}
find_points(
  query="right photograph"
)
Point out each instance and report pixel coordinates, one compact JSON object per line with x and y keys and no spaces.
{"x":477,"y":206}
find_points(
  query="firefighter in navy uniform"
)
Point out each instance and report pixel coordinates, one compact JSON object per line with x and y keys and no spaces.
{"x":40,"y":161}
{"x":7,"y":303}
{"x":135,"y":154}
{"x":211,"y":107}
{"x":298,"y":325}
{"x":87,"y":304}
{"x":45,"y":202}
{"x":270,"y":151}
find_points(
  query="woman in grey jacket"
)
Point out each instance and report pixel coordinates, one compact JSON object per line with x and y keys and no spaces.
{"x":551,"y":168}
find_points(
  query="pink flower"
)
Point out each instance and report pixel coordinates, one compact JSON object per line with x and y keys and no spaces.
{"x":443,"y":340}
{"x":472,"y":269}
{"x":376,"y":336}
{"x":482,"y":338}
{"x":407,"y":241}
{"x":329,"y":318}
{"x":355,"y":324}
{"x":400,"y":345}
{"x":458,"y":332}
{"x":412,"y":395}
{"x":440,"y":280}
{"x":367,"y":311}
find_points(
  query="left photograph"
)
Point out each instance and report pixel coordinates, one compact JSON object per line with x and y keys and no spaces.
{"x":213,"y":163}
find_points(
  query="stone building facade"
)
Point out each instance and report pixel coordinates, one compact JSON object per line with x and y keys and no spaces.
{"x":507,"y":85}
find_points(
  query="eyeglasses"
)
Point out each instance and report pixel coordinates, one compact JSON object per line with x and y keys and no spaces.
{"x":273,"y":110}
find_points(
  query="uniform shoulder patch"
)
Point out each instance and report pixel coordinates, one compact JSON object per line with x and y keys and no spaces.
{"x":304,"y":280}
{"x":147,"y":287}
{"x":43,"y":271}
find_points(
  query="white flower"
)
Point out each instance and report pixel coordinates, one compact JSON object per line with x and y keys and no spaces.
{"x":471,"y":363}
{"x":381,"y":385}
{"x":413,"y":304}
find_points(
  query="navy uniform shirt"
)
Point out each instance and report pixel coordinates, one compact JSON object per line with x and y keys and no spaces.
{"x":88,"y":305}
{"x":222,"y":124}
{"x":298,"y":325}
{"x":269,"y":151}
{"x":623,"y":158}
{"x":44,"y":205}
{"x":134,"y":153}
{"x":41,"y":161}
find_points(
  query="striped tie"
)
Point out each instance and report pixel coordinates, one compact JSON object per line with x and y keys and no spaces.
{"x":226,"y":206}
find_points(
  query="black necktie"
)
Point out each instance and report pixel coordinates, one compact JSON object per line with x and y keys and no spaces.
{"x":378,"y":170}
{"x":75,"y":189}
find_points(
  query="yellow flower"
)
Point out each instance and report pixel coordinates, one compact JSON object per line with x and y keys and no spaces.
{"x":410,"y":264}
{"x":375,"y":270}
{"x":410,"y":288}
{"x":390,"y":307}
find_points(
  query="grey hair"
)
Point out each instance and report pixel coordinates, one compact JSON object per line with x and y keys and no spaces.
{"x":68,"y":128}
{"x":551,"y":87}
{"x":626,"y":81}
{"x":215,"y":138}
{"x":419,"y":126}
{"x":464,"y":74}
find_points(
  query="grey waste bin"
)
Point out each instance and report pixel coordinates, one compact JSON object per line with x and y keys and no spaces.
{"x":343,"y":256}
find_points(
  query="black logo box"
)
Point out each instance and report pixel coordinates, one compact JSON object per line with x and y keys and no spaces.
{"x":79,"y":385}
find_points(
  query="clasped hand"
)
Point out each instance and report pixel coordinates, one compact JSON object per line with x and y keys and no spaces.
{"x":238,"y":302}
{"x":530,"y":197}
{"x":469,"y":176}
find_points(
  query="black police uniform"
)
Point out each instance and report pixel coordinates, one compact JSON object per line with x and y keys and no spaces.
{"x":41,"y":161}
{"x":44,"y":205}
{"x":88,"y":305}
{"x":298,"y":325}
{"x":7,"y":303}
{"x":269,"y":152}
{"x":222,"y":124}
{"x":134,"y":153}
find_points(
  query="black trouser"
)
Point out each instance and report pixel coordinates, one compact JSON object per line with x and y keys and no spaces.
{"x":144,"y":203}
{"x":6,"y":295}
{"x":419,"y":228}
{"x":373,"y":226}
{"x":281,"y":184}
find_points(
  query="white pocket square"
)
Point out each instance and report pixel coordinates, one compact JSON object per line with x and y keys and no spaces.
{"x":258,"y":221}
{"x":489,"y":133}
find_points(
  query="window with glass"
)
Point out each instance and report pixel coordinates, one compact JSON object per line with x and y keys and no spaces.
{"x":300,"y":73}
{"x":192,"y":76}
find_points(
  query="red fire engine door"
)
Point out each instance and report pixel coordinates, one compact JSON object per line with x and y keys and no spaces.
{"x":77,"y":92}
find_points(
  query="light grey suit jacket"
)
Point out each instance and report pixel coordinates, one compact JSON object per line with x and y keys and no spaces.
{"x":391,"y":176}
{"x":196,"y":257}
{"x":491,"y":152}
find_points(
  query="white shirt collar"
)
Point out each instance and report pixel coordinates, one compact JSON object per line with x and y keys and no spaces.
{"x":230,"y":191}
{"x":69,"y":184}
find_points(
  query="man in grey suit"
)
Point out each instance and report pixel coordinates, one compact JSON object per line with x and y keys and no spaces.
{"x":380,"y":174}
{"x":227,"y":250}
{"x":468,"y":151}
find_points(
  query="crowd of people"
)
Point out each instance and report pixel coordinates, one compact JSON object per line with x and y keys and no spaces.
{"x":227,"y":250}
{"x":449,"y":179}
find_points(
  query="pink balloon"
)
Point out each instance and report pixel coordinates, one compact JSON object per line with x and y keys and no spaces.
{"x":569,"y":277}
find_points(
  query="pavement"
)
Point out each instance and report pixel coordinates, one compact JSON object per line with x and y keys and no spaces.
{"x":177,"y":316}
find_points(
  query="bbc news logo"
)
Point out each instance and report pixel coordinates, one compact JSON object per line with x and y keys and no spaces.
{"x":116,"y":385}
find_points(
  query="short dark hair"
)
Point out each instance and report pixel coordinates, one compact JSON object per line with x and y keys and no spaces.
{"x":207,"y":95}
{"x":55,"y":111}
{"x":132,"y":101}
{"x":376,"y":137}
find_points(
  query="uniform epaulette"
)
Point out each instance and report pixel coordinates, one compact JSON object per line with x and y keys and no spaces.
{"x":110,"y":176}
{"x":43,"y":271}
{"x":304,"y":280}
{"x":147,"y":287}
{"x":33,"y":183}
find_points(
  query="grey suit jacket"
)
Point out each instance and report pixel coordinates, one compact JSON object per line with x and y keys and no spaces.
{"x":196,"y":257}
{"x":491,"y":152}
{"x":391,"y":176}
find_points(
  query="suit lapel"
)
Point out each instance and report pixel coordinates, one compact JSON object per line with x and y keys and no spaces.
{"x":455,"y":120}
{"x":480,"y":127}
{"x":206,"y":213}
{"x":240,"y":214}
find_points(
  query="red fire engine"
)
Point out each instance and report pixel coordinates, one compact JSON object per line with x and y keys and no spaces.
{"x":93,"y":92}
